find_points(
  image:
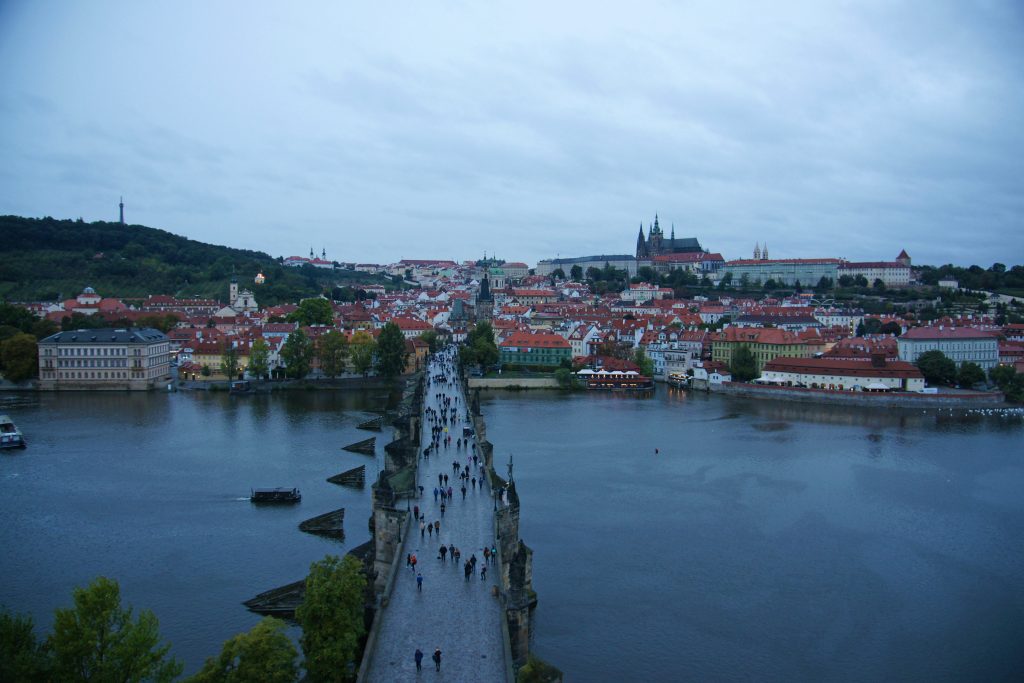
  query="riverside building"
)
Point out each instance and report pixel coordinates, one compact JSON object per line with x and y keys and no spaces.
{"x":960,"y":344}
{"x":105,"y":358}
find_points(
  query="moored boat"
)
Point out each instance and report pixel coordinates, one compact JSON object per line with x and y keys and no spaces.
{"x":615,"y":380}
{"x":10,"y":437}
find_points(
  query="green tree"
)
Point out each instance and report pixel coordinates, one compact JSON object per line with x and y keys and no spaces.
{"x":229,"y":360}
{"x":314,"y":311}
{"x":297,"y":354}
{"x":264,"y":653}
{"x":482,"y":349}
{"x":892,"y":327}
{"x":576,"y":272}
{"x":564,"y":377}
{"x":98,"y":641}
{"x":16,"y":316}
{"x":43,"y":328}
{"x":205,"y":371}
{"x":644,"y":362}
{"x":331,"y":617}
{"x":936,"y":368}
{"x":825,"y":283}
{"x":361,"y":348}
{"x":1002,"y":375}
{"x":431,"y":339}
{"x":22,"y":657}
{"x":332,"y":349}
{"x":557,"y":274}
{"x":969,"y":375}
{"x":259,"y":359}
{"x":744,"y":365}
{"x":19,"y":357}
{"x":391,"y":351}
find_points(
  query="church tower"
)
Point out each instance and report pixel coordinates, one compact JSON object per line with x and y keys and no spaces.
{"x":233,"y":291}
{"x":641,"y":245}
{"x":484,"y":301}
{"x":655,"y":241}
{"x":757,"y":251}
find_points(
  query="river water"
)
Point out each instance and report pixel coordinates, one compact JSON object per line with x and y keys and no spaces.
{"x":768,"y":541}
{"x":153,"y":490}
{"x":763,"y":541}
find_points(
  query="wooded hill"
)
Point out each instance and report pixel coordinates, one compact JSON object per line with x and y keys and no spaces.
{"x":44,"y":259}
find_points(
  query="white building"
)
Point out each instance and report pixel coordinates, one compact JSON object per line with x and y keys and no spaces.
{"x":891,"y":273}
{"x":960,"y":344}
{"x":105,"y":358}
{"x":876,"y":374}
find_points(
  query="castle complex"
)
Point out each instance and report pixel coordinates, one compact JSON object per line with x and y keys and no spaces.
{"x":656,"y":245}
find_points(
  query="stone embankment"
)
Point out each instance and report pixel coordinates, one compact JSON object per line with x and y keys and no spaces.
{"x":513,"y":383}
{"x":861,"y":398}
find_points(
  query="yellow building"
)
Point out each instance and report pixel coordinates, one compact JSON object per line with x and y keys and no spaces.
{"x":765,"y":343}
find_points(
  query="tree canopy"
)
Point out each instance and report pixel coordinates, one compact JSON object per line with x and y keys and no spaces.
{"x":97,"y":640}
{"x":19,"y":357}
{"x":480,"y":347}
{"x":744,"y":365}
{"x":644,"y":362}
{"x":936,"y":368}
{"x":969,"y":375}
{"x":361,"y":348}
{"x":22,"y":657}
{"x":332,"y":350}
{"x":264,"y":653}
{"x":259,"y":359}
{"x":331,"y":616}
{"x":314,"y":311}
{"x":47,"y":259}
{"x":229,"y":360}
{"x":391,"y":352}
{"x":297,"y":354}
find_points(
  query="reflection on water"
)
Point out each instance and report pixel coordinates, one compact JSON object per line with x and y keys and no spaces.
{"x":152,"y":489}
{"x":768,"y":540}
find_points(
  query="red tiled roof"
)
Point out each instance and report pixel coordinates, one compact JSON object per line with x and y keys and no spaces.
{"x":797,"y":261}
{"x":855,"y":368}
{"x":947,"y":333}
{"x":537,"y":340}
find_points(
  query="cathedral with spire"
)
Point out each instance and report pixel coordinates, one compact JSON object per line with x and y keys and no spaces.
{"x":656,"y":244}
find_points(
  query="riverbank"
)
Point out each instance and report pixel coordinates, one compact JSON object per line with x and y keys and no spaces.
{"x":268,"y":386}
{"x":514,"y":383}
{"x":862,"y":398}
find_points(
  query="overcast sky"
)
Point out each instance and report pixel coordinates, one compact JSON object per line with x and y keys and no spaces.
{"x":526,"y":130}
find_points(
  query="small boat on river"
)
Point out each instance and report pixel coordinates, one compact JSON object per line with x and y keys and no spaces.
{"x":10,"y":437}
{"x":275,"y":495}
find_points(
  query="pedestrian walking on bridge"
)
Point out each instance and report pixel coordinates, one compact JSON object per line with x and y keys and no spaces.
{"x":437,"y":659}
{"x":419,"y":659}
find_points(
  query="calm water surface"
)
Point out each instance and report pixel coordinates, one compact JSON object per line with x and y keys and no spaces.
{"x":768,"y":541}
{"x":764,"y":542}
{"x":152,"y":489}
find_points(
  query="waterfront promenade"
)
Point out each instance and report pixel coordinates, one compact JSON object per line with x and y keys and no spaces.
{"x":460,"y":617}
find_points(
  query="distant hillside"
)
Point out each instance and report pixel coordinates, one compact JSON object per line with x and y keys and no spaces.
{"x":45,"y":258}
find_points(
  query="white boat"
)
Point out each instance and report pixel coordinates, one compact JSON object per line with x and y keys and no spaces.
{"x":10,"y":437}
